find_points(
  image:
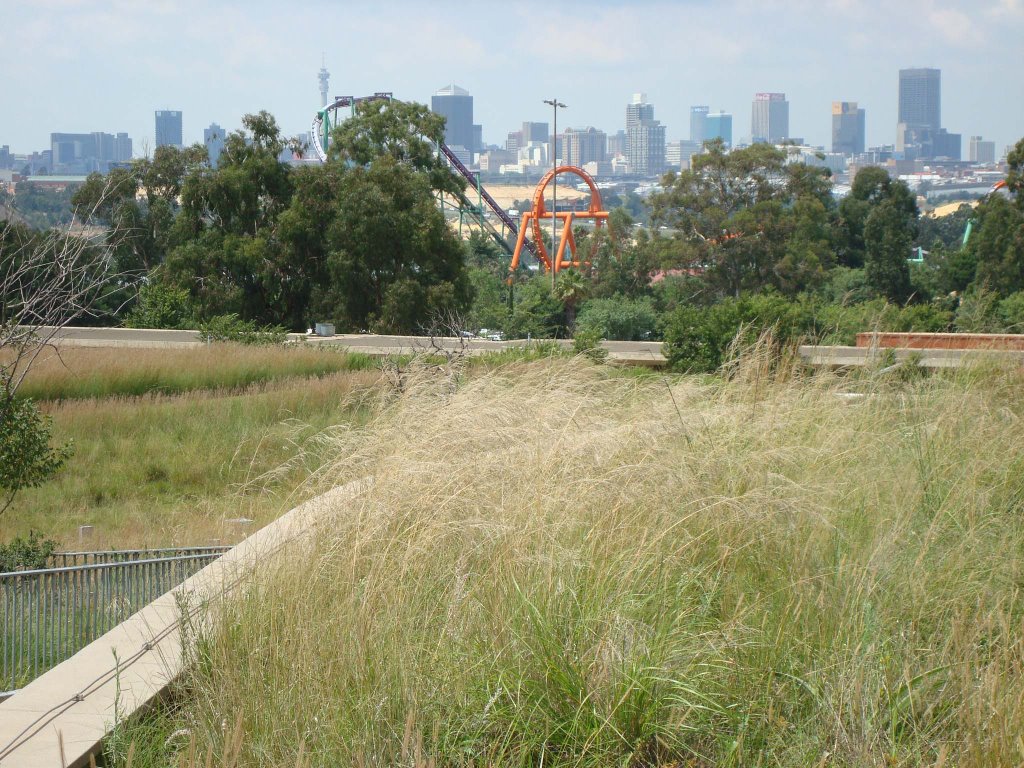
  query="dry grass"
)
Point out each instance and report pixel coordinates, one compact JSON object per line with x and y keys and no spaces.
{"x":558,"y":566}
{"x":73,"y":372}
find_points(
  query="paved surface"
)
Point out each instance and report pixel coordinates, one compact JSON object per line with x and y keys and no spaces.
{"x":627,"y":352}
{"x":62,"y":717}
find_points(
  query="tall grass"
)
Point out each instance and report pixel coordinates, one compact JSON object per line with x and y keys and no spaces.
{"x":69,"y":373}
{"x":171,"y":469}
{"x":556,"y":566}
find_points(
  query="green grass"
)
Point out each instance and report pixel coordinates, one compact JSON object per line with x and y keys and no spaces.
{"x":79,"y":373}
{"x":170,"y":469}
{"x":560,"y":566}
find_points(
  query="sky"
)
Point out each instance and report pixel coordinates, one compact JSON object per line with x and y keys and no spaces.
{"x":84,"y":65}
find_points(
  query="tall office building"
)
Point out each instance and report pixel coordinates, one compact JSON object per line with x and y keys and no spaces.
{"x":769,"y":118}
{"x":919,"y":132}
{"x":213,"y":138}
{"x":980,"y":151}
{"x":719,"y":126}
{"x":587,"y":145}
{"x":920,"y":104}
{"x":456,"y":105}
{"x":645,"y":138}
{"x":637,"y":111}
{"x":698,"y":123}
{"x":847,"y":128}
{"x":535,"y":132}
{"x":81,"y":153}
{"x":168,"y":128}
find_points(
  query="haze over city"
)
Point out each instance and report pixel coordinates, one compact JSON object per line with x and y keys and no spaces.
{"x":81,"y":66}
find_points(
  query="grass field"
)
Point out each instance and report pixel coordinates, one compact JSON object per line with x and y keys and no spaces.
{"x":169,"y":444}
{"x":559,"y":566}
{"x":74,"y":372}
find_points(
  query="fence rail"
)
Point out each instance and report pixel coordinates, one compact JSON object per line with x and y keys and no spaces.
{"x":48,"y":615}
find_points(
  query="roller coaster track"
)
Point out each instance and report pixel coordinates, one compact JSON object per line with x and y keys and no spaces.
{"x":322,"y":126}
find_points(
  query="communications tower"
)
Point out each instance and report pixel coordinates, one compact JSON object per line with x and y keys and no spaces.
{"x":324,"y":77}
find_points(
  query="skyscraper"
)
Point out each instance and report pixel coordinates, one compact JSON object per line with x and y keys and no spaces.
{"x":920,"y":104}
{"x":645,"y":138}
{"x":456,"y":105}
{"x":168,"y":128}
{"x":769,"y":118}
{"x":582,"y":146}
{"x":719,"y":126}
{"x":213,"y":138}
{"x":698,"y":123}
{"x":535,"y":132}
{"x":980,"y":151}
{"x":847,"y":128}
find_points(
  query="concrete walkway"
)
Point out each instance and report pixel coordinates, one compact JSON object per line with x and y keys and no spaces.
{"x":62,"y":717}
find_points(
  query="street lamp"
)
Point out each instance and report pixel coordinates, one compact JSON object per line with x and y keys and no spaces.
{"x":555,"y":104}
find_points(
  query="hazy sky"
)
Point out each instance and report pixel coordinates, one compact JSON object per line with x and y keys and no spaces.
{"x":83,"y":65}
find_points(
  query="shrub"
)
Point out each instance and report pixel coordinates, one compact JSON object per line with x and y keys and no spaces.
{"x":619,"y":318}
{"x":160,"y":306}
{"x":1011,"y":312}
{"x":233,"y":328}
{"x":696,"y":339}
{"x":26,"y":554}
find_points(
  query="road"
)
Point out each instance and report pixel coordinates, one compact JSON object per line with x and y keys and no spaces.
{"x":626,"y":352}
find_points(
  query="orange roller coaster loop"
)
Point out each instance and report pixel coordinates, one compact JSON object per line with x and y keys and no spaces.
{"x":532,"y":220}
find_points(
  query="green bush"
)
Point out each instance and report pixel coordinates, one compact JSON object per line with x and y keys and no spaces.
{"x":618,"y":318}
{"x":979,"y":312}
{"x":1011,"y":312}
{"x":26,"y":457}
{"x":696,"y":339}
{"x":233,"y":328}
{"x":160,"y":306}
{"x":26,"y":554}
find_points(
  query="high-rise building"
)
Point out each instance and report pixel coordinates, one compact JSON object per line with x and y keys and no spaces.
{"x":456,"y":105}
{"x":719,"y":126}
{"x":587,"y":145}
{"x":920,"y":103}
{"x":637,"y":111}
{"x":847,"y":128}
{"x":698,"y":123}
{"x":645,"y":138}
{"x":535,"y":132}
{"x":81,"y":153}
{"x":769,"y":118}
{"x":213,"y":138}
{"x":981,"y":151}
{"x":168,"y":128}
{"x":617,"y":144}
{"x":678,"y":153}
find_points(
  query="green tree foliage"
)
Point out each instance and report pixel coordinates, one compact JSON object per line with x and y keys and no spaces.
{"x":996,"y":245}
{"x":160,"y":306}
{"x":27,"y":459}
{"x":888,"y":234}
{"x":748,"y":219}
{"x":42,"y":207}
{"x":619,"y":318}
{"x":394,"y":262}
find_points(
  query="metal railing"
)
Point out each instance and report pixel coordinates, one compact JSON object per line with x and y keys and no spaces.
{"x":65,"y":559}
{"x":48,"y":615}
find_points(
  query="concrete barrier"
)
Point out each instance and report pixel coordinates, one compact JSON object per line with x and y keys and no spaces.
{"x":62,"y":717}
{"x":983,"y":341}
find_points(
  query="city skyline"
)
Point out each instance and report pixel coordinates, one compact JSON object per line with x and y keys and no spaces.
{"x":257,"y":61}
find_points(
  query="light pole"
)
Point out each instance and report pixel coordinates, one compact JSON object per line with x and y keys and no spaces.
{"x":555,"y":104}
